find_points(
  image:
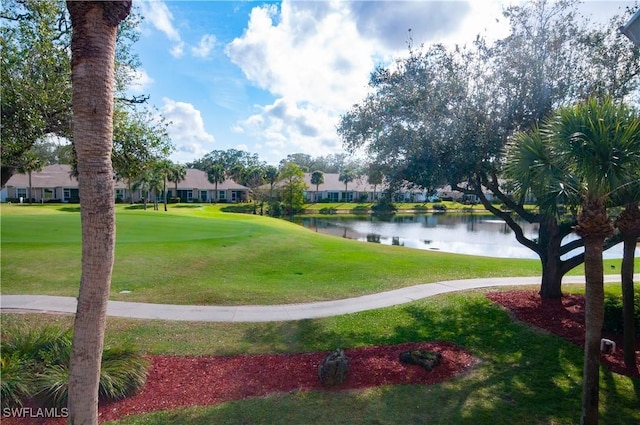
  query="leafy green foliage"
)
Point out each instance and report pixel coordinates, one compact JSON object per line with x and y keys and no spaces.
{"x":35,"y":365}
{"x":613,"y":320}
{"x":36,"y":77}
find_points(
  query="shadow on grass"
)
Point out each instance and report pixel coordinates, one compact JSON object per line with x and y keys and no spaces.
{"x":69,"y":209}
{"x":184,"y":205}
{"x":524,"y":375}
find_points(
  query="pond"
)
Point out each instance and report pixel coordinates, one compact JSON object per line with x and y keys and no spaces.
{"x":473,"y":234}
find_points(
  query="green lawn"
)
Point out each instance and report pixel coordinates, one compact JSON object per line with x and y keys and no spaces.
{"x":524,"y":375}
{"x":198,"y":255}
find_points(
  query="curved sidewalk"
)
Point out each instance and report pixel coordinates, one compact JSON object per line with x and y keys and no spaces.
{"x":271,"y":313}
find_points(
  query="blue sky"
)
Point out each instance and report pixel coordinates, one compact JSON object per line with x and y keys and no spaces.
{"x":273,"y":78}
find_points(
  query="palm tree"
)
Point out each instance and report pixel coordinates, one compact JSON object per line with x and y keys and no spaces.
{"x":532,"y":169}
{"x":271,"y":176}
{"x":94,"y":25}
{"x":375,"y":176}
{"x":177,"y":173}
{"x":346,"y":176}
{"x":29,"y":163}
{"x":164,"y":169}
{"x":317,"y":178}
{"x":628,"y":223}
{"x":600,"y":143}
{"x":216,"y":174}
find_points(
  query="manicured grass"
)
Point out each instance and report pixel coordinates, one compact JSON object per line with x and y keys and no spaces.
{"x":198,"y":255}
{"x":523,"y":376}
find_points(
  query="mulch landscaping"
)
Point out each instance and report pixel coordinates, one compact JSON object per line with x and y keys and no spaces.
{"x":175,"y":382}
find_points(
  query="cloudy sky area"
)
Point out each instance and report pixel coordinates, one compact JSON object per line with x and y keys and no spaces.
{"x":273,"y":78}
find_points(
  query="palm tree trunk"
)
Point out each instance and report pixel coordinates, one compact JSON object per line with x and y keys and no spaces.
{"x":164,"y":191}
{"x":629,"y":329}
{"x":594,"y":317}
{"x":93,"y":49}
{"x":30,"y":189}
{"x":130,"y":191}
{"x":594,"y":226}
{"x":628,"y":223}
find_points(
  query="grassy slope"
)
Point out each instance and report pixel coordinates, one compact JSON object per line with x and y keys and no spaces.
{"x":201,"y":256}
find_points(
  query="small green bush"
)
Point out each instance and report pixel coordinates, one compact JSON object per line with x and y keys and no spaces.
{"x":439,"y":207}
{"x":35,"y":366}
{"x":420,"y":208}
{"x":275,"y":209}
{"x":15,"y":385}
{"x":327,"y":211}
{"x":384,"y":205}
{"x":613,"y":320}
{"x":239,"y":208}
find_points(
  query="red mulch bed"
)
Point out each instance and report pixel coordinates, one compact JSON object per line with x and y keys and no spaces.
{"x":188,"y":381}
{"x":563,"y":317}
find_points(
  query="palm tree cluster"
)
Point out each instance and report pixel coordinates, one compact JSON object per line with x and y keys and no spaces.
{"x":587,"y":157}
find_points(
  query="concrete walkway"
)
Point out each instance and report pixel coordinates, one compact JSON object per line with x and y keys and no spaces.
{"x":270,"y":313}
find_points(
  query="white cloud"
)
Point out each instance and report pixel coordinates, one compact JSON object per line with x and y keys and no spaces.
{"x":140,"y":81}
{"x":205,"y":46}
{"x":186,"y":130}
{"x":158,"y":14}
{"x":316,"y":57}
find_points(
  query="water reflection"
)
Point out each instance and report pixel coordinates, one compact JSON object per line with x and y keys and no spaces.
{"x":472,"y":234}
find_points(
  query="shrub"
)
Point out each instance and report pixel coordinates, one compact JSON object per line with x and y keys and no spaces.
{"x":274,"y":209}
{"x":384,"y":205}
{"x":613,"y":320}
{"x":15,"y":385}
{"x":439,"y":207}
{"x":240,"y":208}
{"x":174,"y":200}
{"x":419,"y":208}
{"x":41,"y":356}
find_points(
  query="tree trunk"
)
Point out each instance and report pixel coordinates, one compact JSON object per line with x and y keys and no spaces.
{"x":629,"y":329}
{"x":94,"y":27}
{"x":130,"y":191}
{"x":628,"y":223}
{"x":594,"y":317}
{"x":30,"y":188}
{"x":552,"y":271}
{"x":594,"y":227}
{"x":164,"y":191}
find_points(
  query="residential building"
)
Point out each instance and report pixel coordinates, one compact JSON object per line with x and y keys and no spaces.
{"x":56,"y":184}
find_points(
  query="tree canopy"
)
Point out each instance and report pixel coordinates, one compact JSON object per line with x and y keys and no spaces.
{"x":444,"y":115}
{"x":36,"y":78}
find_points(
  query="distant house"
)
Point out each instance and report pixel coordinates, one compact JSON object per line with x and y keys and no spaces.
{"x":333,"y":190}
{"x":55,"y":183}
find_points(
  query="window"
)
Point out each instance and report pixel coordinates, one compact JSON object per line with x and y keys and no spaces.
{"x":49,"y":194}
{"x":203,"y":195}
{"x":189,"y":195}
{"x":72,"y":195}
{"x":21,"y":192}
{"x":222,"y":194}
